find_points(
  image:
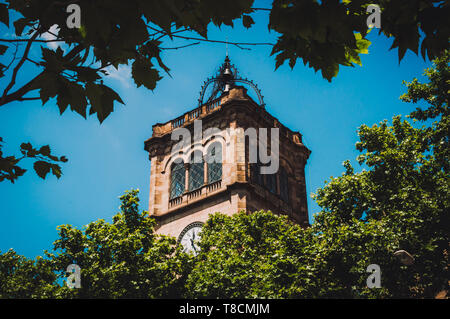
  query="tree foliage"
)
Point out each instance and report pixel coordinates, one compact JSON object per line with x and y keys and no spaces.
{"x":44,"y":163}
{"x":122,"y":259}
{"x":261,"y":255}
{"x":406,"y":186}
{"x":327,"y":34}
{"x":255,"y":255}
{"x":21,"y":277}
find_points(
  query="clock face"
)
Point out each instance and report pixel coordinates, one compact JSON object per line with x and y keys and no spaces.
{"x":190,"y":237}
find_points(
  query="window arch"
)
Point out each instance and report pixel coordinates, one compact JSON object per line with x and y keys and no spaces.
{"x":177,"y":179}
{"x":214,"y":160}
{"x":196,"y":171}
{"x":284,"y":185}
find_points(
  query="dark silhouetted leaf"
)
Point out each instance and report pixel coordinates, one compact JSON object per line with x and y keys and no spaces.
{"x":3,"y":49}
{"x":247,"y":21}
{"x":42,"y":168}
{"x":4,"y":15}
{"x":144,"y":74}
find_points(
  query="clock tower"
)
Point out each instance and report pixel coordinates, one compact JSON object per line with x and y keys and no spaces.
{"x":226,"y":155}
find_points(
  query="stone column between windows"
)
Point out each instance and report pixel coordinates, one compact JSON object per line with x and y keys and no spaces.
{"x":186,"y":177}
{"x":205,"y":171}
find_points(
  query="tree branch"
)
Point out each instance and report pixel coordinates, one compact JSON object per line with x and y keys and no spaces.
{"x":181,"y":47}
{"x":28,"y":98}
{"x":35,"y":40}
{"x":219,"y":41}
{"x":15,"y":96}
{"x":72,"y":53}
{"x":164,"y":33}
{"x":13,"y":59}
{"x":209,"y":40}
{"x":19,"y":65}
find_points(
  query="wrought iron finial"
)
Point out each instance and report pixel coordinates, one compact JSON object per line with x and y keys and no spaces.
{"x":224,"y":80}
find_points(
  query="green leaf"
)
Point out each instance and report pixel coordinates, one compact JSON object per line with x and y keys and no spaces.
{"x":19,"y":25}
{"x":42,"y":168}
{"x":78,"y":101}
{"x":151,"y":50}
{"x":362,"y":44}
{"x":330,"y":72}
{"x":144,"y":74}
{"x":54,"y":61}
{"x":94,"y":93}
{"x":101,"y":99}
{"x":49,"y":87}
{"x":26,"y":146}
{"x":45,"y":150}
{"x":86,"y":74}
{"x":63,"y":98}
{"x":56,"y":170}
{"x":2,"y":66}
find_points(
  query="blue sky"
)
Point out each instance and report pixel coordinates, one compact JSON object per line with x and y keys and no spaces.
{"x":107,"y":159}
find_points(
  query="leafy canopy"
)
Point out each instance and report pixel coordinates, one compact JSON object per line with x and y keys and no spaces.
{"x":122,"y":259}
{"x":406,"y":186}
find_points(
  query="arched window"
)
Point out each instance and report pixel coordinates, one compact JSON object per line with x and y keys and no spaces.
{"x":177,"y":180}
{"x":196,"y":171}
{"x":284,"y":185}
{"x":214,"y":160}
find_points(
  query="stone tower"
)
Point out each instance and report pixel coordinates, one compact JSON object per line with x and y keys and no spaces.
{"x":186,"y":185}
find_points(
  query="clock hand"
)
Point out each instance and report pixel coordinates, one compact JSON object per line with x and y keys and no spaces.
{"x":193,"y":245}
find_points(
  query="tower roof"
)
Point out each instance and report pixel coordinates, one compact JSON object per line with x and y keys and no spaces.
{"x":226,"y":78}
